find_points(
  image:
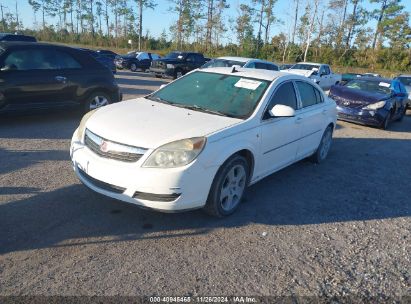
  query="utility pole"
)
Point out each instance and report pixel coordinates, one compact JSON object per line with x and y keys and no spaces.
{"x":2,"y":17}
{"x":17,"y":17}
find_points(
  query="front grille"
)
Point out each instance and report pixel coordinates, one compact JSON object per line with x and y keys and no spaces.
{"x":158,"y":64}
{"x":112,"y":150}
{"x":100,"y":184}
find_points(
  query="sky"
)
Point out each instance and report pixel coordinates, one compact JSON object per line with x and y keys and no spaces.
{"x":161,"y":18}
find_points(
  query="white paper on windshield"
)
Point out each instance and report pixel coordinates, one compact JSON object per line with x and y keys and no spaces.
{"x":384,"y":84}
{"x":247,"y":84}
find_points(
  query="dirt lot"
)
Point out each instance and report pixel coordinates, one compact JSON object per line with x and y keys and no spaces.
{"x":336,"y":229}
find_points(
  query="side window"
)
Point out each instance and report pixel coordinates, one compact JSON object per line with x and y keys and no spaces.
{"x":284,"y":95}
{"x":41,"y":59}
{"x":250,"y":65}
{"x":309,"y":95}
{"x":143,"y":56}
{"x":199,"y":58}
{"x":261,"y":66}
{"x":327,"y":70}
{"x":190,"y":58}
{"x":273,"y":67}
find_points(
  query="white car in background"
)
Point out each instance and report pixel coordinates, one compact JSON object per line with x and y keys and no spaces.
{"x":250,"y":63}
{"x":320,"y":73}
{"x":405,"y":79}
{"x":201,"y":140}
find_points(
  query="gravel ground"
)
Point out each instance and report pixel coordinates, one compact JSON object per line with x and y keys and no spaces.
{"x":341,"y":228}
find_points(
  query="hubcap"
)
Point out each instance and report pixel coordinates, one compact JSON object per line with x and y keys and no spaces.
{"x":326,"y":144}
{"x":97,"y":102}
{"x":233,"y":188}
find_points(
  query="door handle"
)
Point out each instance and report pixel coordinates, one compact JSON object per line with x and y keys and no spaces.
{"x":299,"y":120}
{"x":61,"y":79}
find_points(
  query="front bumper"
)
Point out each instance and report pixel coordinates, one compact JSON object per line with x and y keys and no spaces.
{"x":168,"y":190}
{"x":365,"y":117}
{"x":166,"y":73}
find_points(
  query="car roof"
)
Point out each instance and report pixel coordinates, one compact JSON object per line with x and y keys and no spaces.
{"x":311,"y":63}
{"x":242,"y":59}
{"x":262,"y":74}
{"x":404,"y":75}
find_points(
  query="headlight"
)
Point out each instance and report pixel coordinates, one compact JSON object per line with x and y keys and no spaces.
{"x":176,"y":154}
{"x":170,"y":66}
{"x":82,"y":127}
{"x":375,"y":106}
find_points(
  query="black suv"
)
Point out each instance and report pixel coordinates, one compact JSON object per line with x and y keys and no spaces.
{"x":39,"y":76}
{"x":176,"y":64}
{"x":16,"y":37}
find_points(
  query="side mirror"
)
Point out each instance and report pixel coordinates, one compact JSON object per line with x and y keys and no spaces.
{"x":280,"y":110}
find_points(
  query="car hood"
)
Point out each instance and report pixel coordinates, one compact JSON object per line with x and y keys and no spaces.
{"x":305,"y":73}
{"x":149,"y":124}
{"x":347,"y":96}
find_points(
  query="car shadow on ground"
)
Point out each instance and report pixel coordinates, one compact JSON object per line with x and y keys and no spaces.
{"x":47,"y":125}
{"x":363,"y":179}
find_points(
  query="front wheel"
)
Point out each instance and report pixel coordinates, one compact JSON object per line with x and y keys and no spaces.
{"x":322,"y":151}
{"x":178,"y":74}
{"x":228,"y":187}
{"x":133,"y":67}
{"x":402,"y":113}
{"x":97,"y":100}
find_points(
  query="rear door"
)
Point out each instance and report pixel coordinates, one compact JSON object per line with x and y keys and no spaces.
{"x":312,"y":111}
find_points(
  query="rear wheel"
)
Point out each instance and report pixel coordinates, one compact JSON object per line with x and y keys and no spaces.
{"x":228,"y":187}
{"x":97,"y":100}
{"x":322,"y":151}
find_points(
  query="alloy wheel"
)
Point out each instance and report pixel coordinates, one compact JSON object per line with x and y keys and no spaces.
{"x":233,"y":188}
{"x":98,"y":101}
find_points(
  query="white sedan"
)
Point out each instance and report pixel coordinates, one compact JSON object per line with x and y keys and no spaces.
{"x":201,"y":140}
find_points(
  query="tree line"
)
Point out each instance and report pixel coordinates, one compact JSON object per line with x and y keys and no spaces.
{"x":372,"y":34}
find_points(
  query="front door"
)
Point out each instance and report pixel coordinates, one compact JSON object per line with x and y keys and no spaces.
{"x":32,"y":78}
{"x":279,"y":135}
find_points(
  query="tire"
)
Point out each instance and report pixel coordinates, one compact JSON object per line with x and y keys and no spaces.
{"x":158,"y":76}
{"x":97,"y":100}
{"x":402,"y":114}
{"x":325,"y":144}
{"x":133,"y":67}
{"x":386,"y":122}
{"x":177,"y":74}
{"x":228,"y":187}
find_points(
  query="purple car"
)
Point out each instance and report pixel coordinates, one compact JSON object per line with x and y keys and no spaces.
{"x":371,"y":101}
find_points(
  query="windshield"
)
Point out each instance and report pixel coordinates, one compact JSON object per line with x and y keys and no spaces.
{"x":303,"y":66}
{"x":381,"y":87}
{"x":219,"y":63}
{"x":220,"y":94}
{"x":175,"y":55}
{"x":405,"y":80}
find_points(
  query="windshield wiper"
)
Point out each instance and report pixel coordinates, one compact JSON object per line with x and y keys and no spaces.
{"x":202,"y":109}
{"x":151,"y":97}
